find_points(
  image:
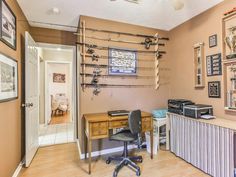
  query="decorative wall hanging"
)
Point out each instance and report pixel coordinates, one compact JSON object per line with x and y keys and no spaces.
{"x":214,"y":89}
{"x":59,"y":78}
{"x":213,"y":63}
{"x":8,"y":25}
{"x":213,"y":41}
{"x":199,"y":75}
{"x":119,"y":63}
{"x":8,"y":78}
{"x":122,"y":62}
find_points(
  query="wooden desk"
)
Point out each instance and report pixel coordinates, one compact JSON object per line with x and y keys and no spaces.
{"x":97,"y":127}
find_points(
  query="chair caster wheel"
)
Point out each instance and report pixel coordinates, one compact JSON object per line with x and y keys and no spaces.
{"x":140,"y":160}
{"x":108,"y":161}
{"x":115,"y":174}
{"x":138,"y":173}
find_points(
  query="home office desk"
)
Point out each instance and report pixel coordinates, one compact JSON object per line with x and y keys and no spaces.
{"x":97,"y":127}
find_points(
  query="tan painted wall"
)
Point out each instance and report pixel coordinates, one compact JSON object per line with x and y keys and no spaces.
{"x":11,"y":148}
{"x":145,"y":99}
{"x":52,"y":36}
{"x":181,"y":56}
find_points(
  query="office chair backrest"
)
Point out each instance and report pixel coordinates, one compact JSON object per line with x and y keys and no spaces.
{"x":135,"y":125}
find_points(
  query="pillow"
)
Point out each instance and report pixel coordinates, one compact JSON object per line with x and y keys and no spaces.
{"x":159,"y":113}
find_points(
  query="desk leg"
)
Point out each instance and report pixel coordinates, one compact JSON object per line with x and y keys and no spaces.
{"x":89,"y":153}
{"x":168,"y":134}
{"x":85,"y":146}
{"x":158,"y":137}
{"x":151,"y":138}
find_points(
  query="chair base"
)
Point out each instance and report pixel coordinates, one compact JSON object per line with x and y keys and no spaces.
{"x":125,"y":160}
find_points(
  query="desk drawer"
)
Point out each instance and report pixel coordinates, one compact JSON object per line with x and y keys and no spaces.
{"x":99,"y":129}
{"x":118,"y":124}
{"x":146,"y":124}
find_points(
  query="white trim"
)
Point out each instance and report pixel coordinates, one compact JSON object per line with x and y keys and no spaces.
{"x":106,"y":151}
{"x":75,"y":106}
{"x":18,"y":169}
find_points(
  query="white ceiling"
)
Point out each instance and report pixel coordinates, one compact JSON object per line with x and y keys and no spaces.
{"x":150,"y":13}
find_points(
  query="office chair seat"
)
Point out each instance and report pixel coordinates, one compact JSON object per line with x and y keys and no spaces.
{"x":123,"y":135}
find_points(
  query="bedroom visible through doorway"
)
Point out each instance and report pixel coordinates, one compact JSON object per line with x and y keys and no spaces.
{"x":57,"y":114}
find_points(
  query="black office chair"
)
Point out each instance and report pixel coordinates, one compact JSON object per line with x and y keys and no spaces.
{"x":127,"y":136}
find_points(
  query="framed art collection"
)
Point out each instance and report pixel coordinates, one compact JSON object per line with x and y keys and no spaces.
{"x":213,"y":41}
{"x":8,"y":78}
{"x":122,"y":62}
{"x":214,"y":89}
{"x":8,"y":25}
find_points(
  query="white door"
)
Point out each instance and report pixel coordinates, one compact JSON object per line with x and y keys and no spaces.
{"x":31,"y":98}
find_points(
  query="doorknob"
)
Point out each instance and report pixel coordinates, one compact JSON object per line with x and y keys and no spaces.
{"x":27,"y":105}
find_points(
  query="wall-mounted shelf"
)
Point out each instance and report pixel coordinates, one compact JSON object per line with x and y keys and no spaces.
{"x":199,"y":72}
{"x":230,"y":109}
{"x":229,"y":61}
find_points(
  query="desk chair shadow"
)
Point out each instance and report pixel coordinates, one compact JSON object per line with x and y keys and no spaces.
{"x":127,"y":136}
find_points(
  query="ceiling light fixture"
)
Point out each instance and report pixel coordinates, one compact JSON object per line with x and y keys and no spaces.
{"x":177,"y":4}
{"x":56,"y":10}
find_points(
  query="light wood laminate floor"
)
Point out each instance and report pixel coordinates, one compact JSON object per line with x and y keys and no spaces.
{"x":63,"y":161}
{"x":60,"y":118}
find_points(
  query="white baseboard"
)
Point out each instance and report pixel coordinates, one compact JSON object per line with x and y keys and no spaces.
{"x":18,"y":169}
{"x":78,"y":146}
{"x":107,"y":151}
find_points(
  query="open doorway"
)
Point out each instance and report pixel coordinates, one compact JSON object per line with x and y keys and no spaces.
{"x":57,"y":105}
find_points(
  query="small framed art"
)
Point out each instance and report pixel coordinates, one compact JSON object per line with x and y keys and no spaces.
{"x":8,"y":78}
{"x":59,"y":78}
{"x":214,"y":89}
{"x":213,"y":41}
{"x":8,"y":25}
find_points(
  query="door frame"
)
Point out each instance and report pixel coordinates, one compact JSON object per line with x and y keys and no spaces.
{"x":46,"y":93}
{"x":75,"y":82}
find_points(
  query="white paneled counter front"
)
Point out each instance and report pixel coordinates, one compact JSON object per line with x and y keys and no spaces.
{"x":206,"y":144}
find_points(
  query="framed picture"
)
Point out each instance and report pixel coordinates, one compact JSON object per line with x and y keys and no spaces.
{"x":213,"y":41}
{"x":214,"y":89}
{"x":8,"y":78}
{"x":59,"y":78}
{"x":8,"y":25}
{"x":214,"y":65}
{"x":122,"y":62}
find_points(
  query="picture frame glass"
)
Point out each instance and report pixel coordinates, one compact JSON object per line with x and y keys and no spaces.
{"x":213,"y":41}
{"x":8,"y":78}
